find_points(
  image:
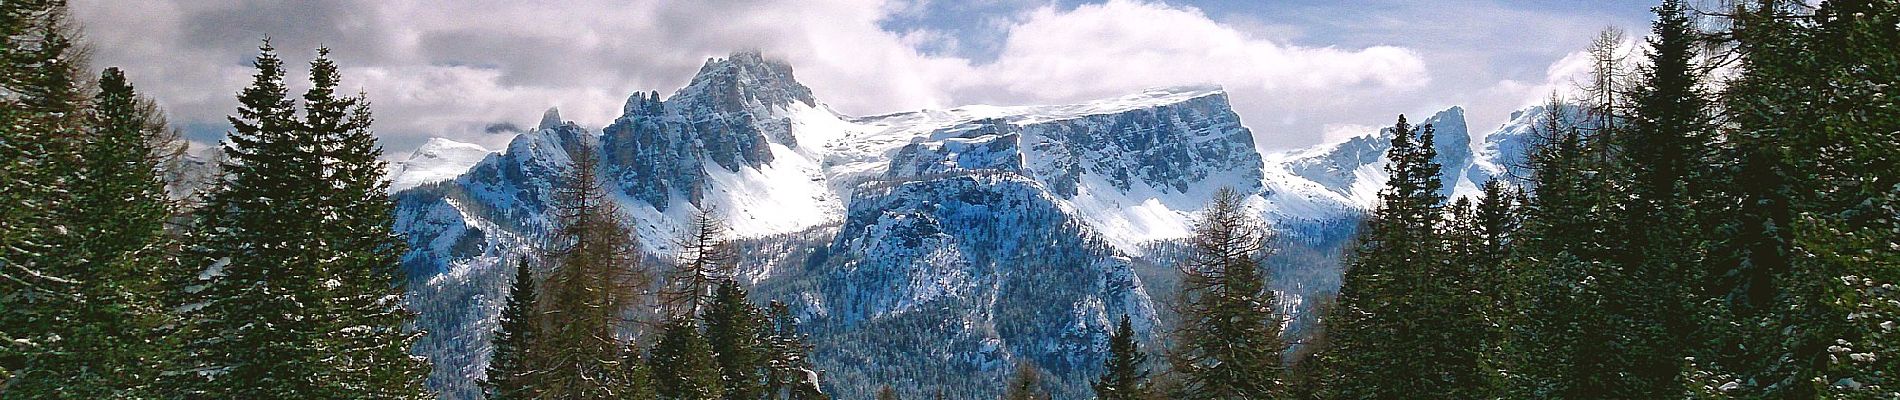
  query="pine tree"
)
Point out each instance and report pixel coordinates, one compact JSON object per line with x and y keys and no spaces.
{"x":41,"y":130}
{"x":1809,"y":127}
{"x":789,"y":371}
{"x":1125,"y":372}
{"x":369,"y":328}
{"x":1026,"y":384}
{"x":595,"y":279}
{"x":511,"y":373}
{"x":735,"y":330}
{"x":683,"y":365}
{"x":259,"y":314}
{"x":1229,"y":339}
{"x":1409,"y":319}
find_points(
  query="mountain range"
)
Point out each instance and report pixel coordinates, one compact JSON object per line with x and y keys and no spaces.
{"x":925,"y":250}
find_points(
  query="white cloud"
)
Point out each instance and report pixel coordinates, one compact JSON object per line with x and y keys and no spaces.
{"x":454,"y":68}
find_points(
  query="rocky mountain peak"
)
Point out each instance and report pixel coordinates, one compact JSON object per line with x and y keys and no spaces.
{"x":551,"y":119}
{"x":745,"y":80}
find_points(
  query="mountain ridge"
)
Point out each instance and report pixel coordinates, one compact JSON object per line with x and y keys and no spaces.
{"x":931,"y":215}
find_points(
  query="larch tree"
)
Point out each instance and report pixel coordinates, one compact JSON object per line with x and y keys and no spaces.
{"x":593,"y":281}
{"x":1228,"y":344}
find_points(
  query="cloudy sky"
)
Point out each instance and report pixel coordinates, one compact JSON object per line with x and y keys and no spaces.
{"x":1299,"y":72}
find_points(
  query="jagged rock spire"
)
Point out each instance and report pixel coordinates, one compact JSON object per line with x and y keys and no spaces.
{"x":551,"y":119}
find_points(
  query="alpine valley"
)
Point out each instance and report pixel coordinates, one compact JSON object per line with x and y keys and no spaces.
{"x":923,"y":250}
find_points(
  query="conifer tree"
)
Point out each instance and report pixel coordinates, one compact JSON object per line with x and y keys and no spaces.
{"x":705,"y":258}
{"x":682,"y":364}
{"x":259,"y":315}
{"x":511,"y":370}
{"x":789,"y":371}
{"x":1809,"y":128}
{"x":636,"y":378}
{"x":1564,"y":260}
{"x":1408,"y":320}
{"x":369,"y":328}
{"x":1026,"y":384}
{"x":735,"y":330}
{"x":1125,"y":372}
{"x":594,"y":280}
{"x":299,"y":294}
{"x":1664,"y":151}
{"x":40,"y":133}
{"x":1229,"y":339}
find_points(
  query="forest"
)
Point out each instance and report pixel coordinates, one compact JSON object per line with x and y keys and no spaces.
{"x":1722,"y":222}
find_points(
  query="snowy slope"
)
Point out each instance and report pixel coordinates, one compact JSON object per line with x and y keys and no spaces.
{"x":911,"y":227}
{"x":438,"y":160}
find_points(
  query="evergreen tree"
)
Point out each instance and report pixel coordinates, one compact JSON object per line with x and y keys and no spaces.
{"x":511,"y":373}
{"x":595,"y":279}
{"x":636,"y":379}
{"x":259,"y":314}
{"x":1562,"y":343}
{"x":1409,"y":319}
{"x":1810,"y":127}
{"x":1229,"y":339}
{"x":1026,"y":384}
{"x":735,"y":330}
{"x":682,"y":364}
{"x":365,"y":254}
{"x":1125,"y":373}
{"x":40,"y":133}
{"x":1664,"y":151}
{"x":789,"y":372}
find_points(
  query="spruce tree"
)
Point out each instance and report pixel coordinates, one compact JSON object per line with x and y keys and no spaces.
{"x":1564,"y":260}
{"x":682,"y":364}
{"x":40,"y":133}
{"x":369,"y":328}
{"x":1229,"y":343}
{"x":511,"y":371}
{"x":735,"y":330}
{"x":789,"y":371}
{"x":260,"y":313}
{"x":1664,"y":151}
{"x":1125,"y":372}
{"x":1808,"y":120}
{"x":1409,"y":317}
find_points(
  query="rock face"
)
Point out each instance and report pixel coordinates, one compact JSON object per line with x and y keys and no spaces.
{"x":928,"y":249}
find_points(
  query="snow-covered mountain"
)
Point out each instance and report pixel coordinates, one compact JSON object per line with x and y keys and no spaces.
{"x":927,"y":249}
{"x":437,"y":160}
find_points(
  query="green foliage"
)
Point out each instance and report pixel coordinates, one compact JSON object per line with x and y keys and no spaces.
{"x":682,"y":364}
{"x":1125,"y":373}
{"x":511,"y":369}
{"x":299,"y":296}
{"x":1413,"y":317}
{"x":735,"y":330}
